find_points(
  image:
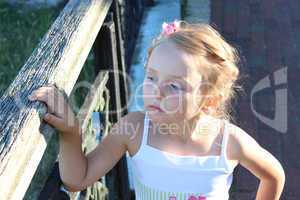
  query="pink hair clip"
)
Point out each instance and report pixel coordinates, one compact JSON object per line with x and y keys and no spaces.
{"x":170,"y":28}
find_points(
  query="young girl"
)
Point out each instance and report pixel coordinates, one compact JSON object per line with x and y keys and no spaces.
{"x":183,"y":146}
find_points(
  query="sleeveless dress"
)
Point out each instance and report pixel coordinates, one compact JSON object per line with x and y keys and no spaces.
{"x":161,"y":175}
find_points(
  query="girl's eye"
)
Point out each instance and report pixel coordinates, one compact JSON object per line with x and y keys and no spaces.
{"x":175,"y":87}
{"x":150,"y":78}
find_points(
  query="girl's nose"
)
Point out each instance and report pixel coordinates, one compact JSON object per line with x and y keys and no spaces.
{"x":159,"y":91}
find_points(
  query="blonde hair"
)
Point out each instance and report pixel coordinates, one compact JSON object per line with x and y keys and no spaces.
{"x":216,"y":61}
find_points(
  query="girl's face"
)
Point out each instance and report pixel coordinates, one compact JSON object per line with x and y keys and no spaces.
{"x":172,"y":84}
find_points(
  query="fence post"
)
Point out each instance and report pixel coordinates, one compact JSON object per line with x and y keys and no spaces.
{"x":106,"y":58}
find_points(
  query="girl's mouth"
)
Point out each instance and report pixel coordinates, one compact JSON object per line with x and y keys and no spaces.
{"x":153,"y":107}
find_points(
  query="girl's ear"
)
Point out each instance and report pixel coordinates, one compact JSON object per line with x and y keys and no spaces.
{"x":212,"y":103}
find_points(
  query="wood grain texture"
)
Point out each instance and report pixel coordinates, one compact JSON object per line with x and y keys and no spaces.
{"x":58,"y":59}
{"x":94,"y":101}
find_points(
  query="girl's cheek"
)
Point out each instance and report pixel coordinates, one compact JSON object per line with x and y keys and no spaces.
{"x":192,"y":105}
{"x":148,"y":90}
{"x":174,"y":104}
{"x":150,"y":84}
{"x":193,"y":101}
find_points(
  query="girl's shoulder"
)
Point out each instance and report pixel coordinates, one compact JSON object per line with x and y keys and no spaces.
{"x":238,"y":141}
{"x":132,"y":125}
{"x":251,"y":155}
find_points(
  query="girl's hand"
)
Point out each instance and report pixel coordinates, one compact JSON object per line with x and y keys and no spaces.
{"x":59,"y":114}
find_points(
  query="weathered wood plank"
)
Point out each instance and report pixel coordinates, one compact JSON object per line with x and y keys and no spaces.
{"x":58,"y":59}
{"x":44,"y":170}
{"x":94,"y":101}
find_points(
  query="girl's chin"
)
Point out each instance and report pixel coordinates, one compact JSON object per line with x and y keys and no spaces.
{"x":156,"y":113}
{"x":160,"y":116}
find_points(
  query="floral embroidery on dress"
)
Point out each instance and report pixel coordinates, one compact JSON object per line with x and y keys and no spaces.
{"x":192,"y":197}
{"x":197,"y":198}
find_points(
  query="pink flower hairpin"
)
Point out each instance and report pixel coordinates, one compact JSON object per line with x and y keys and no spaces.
{"x":169,"y":28}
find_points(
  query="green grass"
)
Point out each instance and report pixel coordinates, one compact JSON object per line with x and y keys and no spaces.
{"x":21,"y":30}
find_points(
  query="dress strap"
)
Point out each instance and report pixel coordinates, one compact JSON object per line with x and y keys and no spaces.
{"x":228,"y":166}
{"x":224,"y":138}
{"x":146,"y":129}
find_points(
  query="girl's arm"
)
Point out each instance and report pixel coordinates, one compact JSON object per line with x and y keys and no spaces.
{"x":77,"y":170}
{"x":260,"y":163}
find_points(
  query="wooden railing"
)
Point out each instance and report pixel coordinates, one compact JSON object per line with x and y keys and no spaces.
{"x":29,"y":147}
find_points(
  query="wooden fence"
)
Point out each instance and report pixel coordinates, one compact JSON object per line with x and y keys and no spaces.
{"x":29,"y":147}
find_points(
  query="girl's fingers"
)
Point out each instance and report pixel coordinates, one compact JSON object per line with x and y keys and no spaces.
{"x":41,"y":93}
{"x":54,"y":121}
{"x":51,"y":97}
{"x":42,"y":89}
{"x":41,"y":96}
{"x":45,"y":89}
